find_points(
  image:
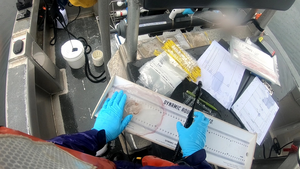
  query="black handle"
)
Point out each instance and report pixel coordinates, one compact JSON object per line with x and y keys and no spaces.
{"x":177,"y":150}
{"x":189,"y":119}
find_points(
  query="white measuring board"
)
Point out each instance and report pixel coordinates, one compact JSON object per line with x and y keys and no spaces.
{"x":155,"y":117}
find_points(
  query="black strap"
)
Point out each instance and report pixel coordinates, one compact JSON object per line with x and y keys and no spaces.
{"x":255,"y":22}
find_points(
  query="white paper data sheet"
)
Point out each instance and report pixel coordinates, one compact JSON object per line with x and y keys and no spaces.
{"x":220,"y":74}
{"x":256,"y":109}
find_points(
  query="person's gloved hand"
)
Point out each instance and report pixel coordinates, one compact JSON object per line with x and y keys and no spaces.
{"x":193,"y":139}
{"x":110,"y":116}
{"x":187,"y":11}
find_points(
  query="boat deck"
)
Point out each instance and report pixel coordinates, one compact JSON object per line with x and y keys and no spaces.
{"x":82,"y":95}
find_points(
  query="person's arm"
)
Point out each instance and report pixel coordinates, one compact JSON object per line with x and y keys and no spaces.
{"x":108,"y":126}
{"x":197,"y":160}
{"x":111,"y":115}
{"x":88,"y":142}
{"x":192,"y":141}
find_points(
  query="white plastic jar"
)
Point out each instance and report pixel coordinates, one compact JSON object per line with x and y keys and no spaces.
{"x":97,"y":58}
{"x":75,"y":58}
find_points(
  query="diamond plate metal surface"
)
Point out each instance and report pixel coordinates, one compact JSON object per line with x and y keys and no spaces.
{"x":21,"y":152}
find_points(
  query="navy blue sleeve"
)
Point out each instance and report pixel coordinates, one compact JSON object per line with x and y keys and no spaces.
{"x":195,"y":161}
{"x":88,"y":142}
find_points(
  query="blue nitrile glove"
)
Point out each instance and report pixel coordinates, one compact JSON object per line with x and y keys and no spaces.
{"x":187,"y":11}
{"x":193,"y":139}
{"x":110,"y":116}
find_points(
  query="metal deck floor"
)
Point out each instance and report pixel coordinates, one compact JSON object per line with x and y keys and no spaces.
{"x":83,"y":95}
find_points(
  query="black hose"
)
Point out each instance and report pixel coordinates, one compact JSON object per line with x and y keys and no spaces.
{"x":87,"y":50}
{"x":79,"y":10}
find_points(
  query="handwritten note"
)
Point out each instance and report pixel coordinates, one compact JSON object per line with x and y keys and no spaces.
{"x":220,"y":74}
{"x":256,"y":109}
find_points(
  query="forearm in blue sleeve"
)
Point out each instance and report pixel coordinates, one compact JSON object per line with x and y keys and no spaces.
{"x":88,"y":142}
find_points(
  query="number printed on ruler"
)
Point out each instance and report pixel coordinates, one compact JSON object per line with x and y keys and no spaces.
{"x":154,"y":116}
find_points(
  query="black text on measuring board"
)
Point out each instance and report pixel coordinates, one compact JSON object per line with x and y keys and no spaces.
{"x":184,"y":110}
{"x":170,"y":142}
{"x":175,"y":106}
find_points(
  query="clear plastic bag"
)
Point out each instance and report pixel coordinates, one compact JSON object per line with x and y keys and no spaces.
{"x":184,"y":59}
{"x":162,"y":74}
{"x":182,"y":41}
{"x":196,"y":39}
{"x":146,"y":49}
{"x":255,"y":60}
{"x":248,"y":41}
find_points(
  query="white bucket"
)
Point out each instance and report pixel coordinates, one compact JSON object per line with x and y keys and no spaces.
{"x":76,"y":58}
{"x":97,"y":57}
